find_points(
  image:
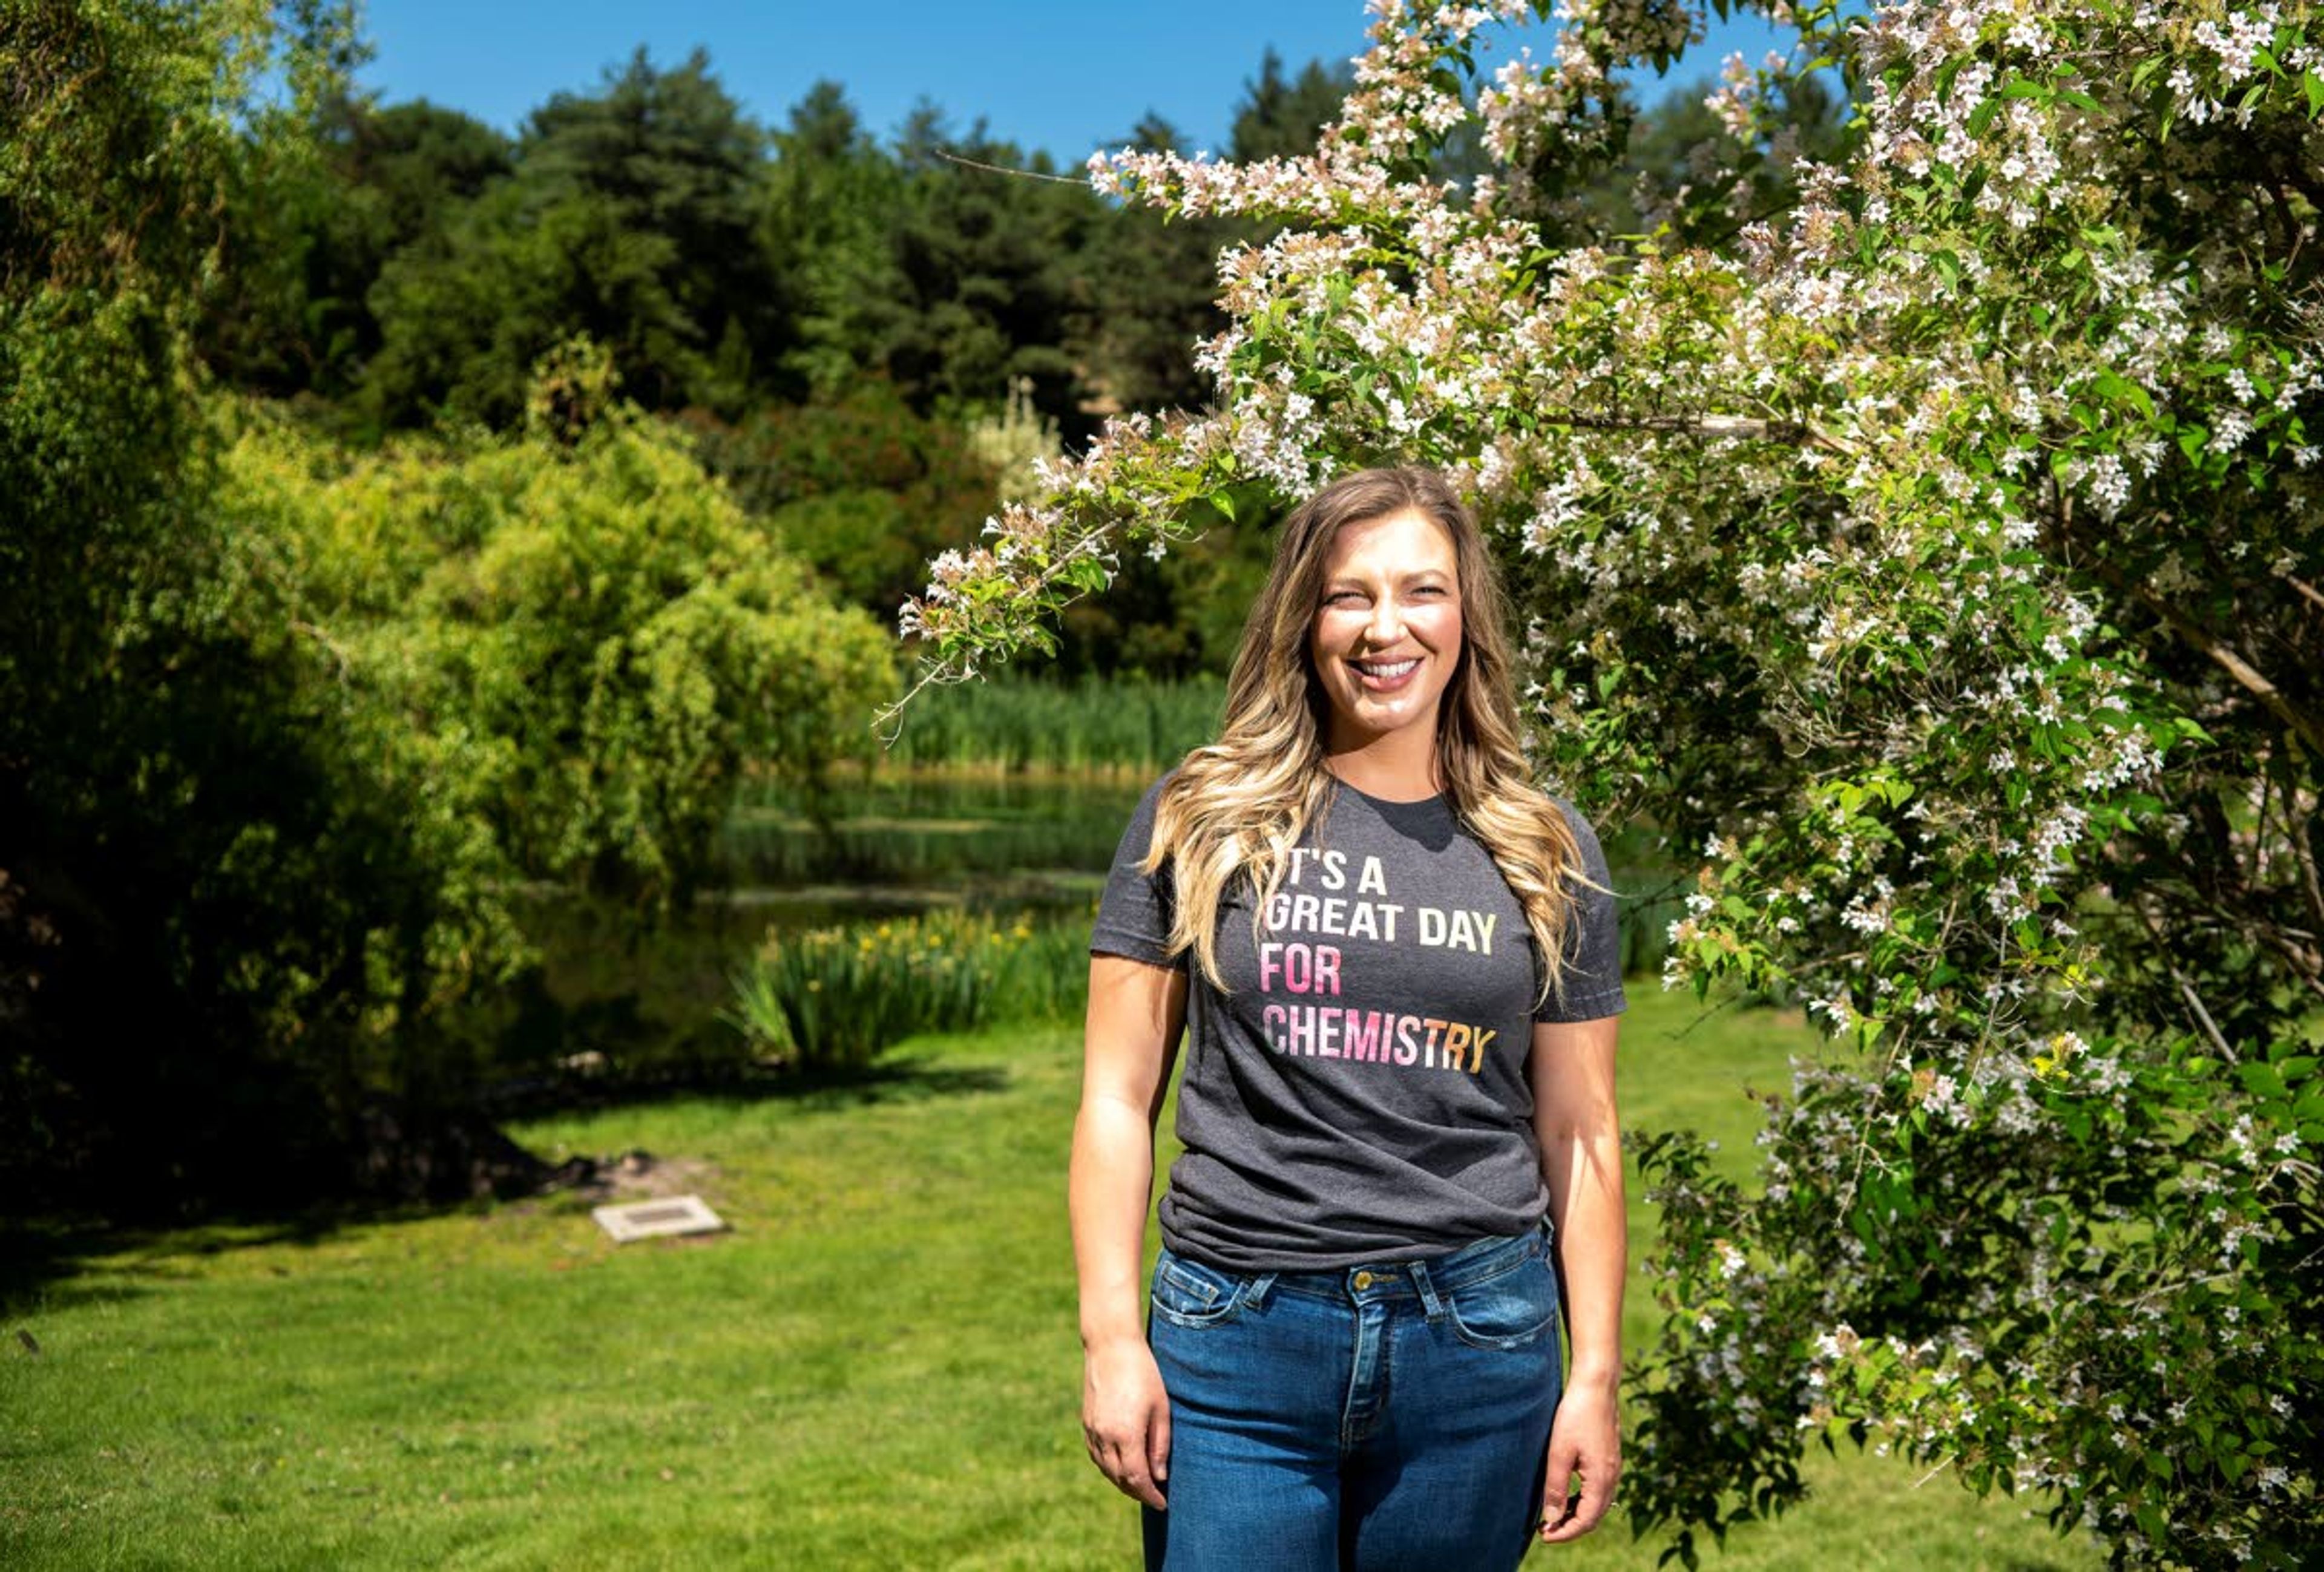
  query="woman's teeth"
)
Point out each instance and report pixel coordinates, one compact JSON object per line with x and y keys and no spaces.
{"x":1386,"y":670}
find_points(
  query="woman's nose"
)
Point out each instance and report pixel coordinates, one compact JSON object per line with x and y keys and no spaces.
{"x":1387,"y":624}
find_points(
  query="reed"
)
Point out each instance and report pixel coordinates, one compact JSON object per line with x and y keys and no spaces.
{"x":1096,"y":723}
{"x":837,"y":998}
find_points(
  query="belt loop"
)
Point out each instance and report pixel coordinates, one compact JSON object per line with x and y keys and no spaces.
{"x":1255,"y":1292}
{"x":1427,"y":1290}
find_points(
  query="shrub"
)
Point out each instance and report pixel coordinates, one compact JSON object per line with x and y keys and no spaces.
{"x":582,"y":619}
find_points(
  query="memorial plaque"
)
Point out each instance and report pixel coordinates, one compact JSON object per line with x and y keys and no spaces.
{"x":667,"y":1217}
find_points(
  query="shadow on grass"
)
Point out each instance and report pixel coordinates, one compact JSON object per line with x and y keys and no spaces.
{"x":905,"y":1081}
{"x":50,"y":1263}
{"x":62,"y":1260}
{"x":912,"y":1079}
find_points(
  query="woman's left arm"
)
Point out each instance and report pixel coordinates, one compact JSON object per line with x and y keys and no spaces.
{"x":1580,"y":1136}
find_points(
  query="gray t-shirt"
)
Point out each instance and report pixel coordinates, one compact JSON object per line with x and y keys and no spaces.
{"x":1359,"y":1093}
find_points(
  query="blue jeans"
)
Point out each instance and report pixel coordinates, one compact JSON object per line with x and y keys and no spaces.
{"x":1387,"y":1417}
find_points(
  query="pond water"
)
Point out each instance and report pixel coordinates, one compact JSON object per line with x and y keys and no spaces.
{"x":913,"y":841}
{"x":648,"y":994}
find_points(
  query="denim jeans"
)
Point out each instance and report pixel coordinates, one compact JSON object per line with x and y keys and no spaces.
{"x":1384,"y":1417}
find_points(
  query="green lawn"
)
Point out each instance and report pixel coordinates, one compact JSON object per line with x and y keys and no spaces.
{"x":876,"y":1368}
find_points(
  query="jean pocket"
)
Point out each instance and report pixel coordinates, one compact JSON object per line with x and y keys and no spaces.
{"x":1510,"y":1309}
{"x":1187,"y":1294}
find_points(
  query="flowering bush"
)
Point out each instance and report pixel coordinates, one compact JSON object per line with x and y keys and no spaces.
{"x":1934,"y":565}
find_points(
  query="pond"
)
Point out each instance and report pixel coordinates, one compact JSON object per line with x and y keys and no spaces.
{"x":647,"y":996}
{"x":906,"y":841}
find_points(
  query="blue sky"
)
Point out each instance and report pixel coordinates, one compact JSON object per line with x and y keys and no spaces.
{"x":1064,"y":77}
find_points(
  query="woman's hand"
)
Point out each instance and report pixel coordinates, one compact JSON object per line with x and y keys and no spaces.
{"x":1126,"y":1418}
{"x":1585,"y":1438}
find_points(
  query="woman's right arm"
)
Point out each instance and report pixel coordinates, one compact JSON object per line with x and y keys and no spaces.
{"x":1136,"y":1011}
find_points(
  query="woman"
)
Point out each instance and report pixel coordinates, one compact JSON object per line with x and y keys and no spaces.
{"x":1395,"y":963}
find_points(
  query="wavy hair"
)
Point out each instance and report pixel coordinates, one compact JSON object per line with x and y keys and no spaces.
{"x":1235,"y":808}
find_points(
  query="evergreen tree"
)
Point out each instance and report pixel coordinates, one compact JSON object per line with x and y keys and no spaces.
{"x":632,"y":216}
{"x":985,"y":259}
{"x":832,"y":193}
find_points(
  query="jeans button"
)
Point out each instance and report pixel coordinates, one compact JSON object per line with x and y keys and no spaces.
{"x":1363,"y":1281}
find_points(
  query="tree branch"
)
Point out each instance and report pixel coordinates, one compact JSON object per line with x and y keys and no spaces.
{"x":2230,"y":660}
{"x":322,"y":637}
{"x":954,"y":158}
{"x":2186,"y":989}
{"x":2246,"y":676}
{"x":2303,"y":856}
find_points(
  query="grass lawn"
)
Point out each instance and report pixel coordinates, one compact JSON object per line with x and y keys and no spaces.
{"x":876,"y":1368}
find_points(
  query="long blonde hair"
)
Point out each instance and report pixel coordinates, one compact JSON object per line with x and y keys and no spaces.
{"x":1236,"y":808}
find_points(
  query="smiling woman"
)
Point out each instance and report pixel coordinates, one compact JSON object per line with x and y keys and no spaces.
{"x":1387,"y":637}
{"x":1395,"y":964}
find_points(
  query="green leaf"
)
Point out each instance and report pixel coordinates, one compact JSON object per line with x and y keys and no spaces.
{"x":2262,"y":1081}
{"x":2123,"y":390}
{"x":2290,"y":1065}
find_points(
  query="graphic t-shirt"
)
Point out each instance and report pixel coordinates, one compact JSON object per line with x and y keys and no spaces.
{"x":1360,"y":1091}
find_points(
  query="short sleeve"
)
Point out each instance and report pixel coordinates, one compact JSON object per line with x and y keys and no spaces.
{"x":1592,"y":985}
{"x":1135,"y":913}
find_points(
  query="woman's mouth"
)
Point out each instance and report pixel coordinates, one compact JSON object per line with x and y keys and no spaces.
{"x":1382,"y":676}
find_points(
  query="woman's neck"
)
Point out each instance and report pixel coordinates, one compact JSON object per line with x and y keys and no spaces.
{"x":1394,"y":767}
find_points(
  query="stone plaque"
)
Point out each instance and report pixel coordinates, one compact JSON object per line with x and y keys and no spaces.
{"x":654,"y":1219}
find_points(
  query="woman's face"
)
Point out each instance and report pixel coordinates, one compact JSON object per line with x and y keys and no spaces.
{"x":1387,"y":635}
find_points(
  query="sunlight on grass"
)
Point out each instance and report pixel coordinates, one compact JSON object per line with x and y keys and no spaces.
{"x":876,"y":1368}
